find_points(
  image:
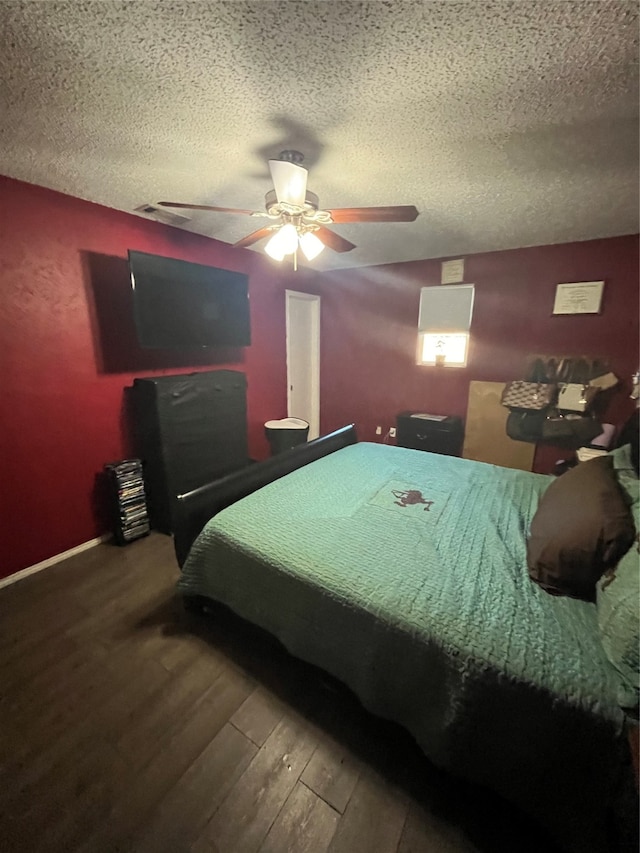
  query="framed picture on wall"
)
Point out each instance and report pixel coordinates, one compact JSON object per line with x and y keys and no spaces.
{"x":580,"y":297}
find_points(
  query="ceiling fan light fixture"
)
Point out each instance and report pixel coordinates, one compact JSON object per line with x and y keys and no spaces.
{"x":288,"y":236}
{"x":284,"y":242}
{"x":310,"y":245}
{"x":290,"y":182}
{"x":273,"y":249}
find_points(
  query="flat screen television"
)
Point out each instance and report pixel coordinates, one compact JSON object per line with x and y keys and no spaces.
{"x":179,"y":304}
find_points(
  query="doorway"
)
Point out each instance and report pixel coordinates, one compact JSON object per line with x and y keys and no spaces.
{"x":303,"y":358}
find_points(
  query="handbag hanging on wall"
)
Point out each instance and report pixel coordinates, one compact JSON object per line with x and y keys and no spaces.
{"x":574,"y":397}
{"x":528,"y":396}
{"x":570,"y":432}
{"x":542,"y":427}
{"x":525,"y":426}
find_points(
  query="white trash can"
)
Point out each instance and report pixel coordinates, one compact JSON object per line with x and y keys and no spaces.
{"x":285,"y":434}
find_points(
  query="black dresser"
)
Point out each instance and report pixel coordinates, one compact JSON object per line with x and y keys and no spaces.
{"x":434,"y":433}
{"x":189,"y":429}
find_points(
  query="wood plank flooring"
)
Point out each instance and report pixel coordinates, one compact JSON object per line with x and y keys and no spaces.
{"x":128,"y":724}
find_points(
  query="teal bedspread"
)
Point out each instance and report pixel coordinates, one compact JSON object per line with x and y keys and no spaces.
{"x":404,"y":574}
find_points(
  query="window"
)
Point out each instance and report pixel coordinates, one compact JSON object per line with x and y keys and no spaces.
{"x":443,"y":349}
{"x":444,"y":320}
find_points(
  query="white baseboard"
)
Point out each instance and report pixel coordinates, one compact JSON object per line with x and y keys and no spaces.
{"x":51,"y":561}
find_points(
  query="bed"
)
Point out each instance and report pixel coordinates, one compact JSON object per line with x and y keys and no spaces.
{"x":404,"y":575}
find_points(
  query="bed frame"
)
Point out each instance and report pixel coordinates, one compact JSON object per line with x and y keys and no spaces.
{"x":194,"y":509}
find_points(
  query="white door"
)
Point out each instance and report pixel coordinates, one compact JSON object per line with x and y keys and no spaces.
{"x":303,"y":358}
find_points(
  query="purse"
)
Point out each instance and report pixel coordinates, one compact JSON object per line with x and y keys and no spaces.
{"x":574,"y":397}
{"x":530,"y":396}
{"x":570,"y":432}
{"x":525,"y":426}
{"x":541,"y":428}
{"x":604,"y":381}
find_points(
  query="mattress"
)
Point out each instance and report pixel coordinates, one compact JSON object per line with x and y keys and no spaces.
{"x":404,"y":574}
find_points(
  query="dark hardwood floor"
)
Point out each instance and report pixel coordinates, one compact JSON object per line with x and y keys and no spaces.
{"x":128,"y":724}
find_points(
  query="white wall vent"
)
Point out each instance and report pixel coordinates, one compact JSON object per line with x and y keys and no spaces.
{"x":162,"y":214}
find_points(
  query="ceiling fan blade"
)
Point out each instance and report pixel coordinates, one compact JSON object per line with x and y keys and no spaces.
{"x":205,"y":207}
{"x":289,"y":181}
{"x":252,"y":238}
{"x":332,"y":240}
{"x":397,"y":213}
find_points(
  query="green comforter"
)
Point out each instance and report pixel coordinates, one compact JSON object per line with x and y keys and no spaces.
{"x":404,"y":574}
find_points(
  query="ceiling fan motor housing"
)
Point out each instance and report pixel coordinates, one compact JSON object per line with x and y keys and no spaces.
{"x":276,"y":208}
{"x":291,"y":156}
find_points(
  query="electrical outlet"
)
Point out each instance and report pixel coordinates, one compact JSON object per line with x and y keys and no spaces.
{"x":378,"y":430}
{"x":392,"y":432}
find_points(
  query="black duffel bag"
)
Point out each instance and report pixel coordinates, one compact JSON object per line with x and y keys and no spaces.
{"x":570,"y":432}
{"x":547,"y":427}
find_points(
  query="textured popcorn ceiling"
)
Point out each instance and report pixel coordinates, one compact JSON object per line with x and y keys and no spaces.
{"x":506,"y":123}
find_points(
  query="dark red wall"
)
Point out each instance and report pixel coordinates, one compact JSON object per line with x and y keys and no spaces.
{"x":68,"y":350}
{"x":369,"y":322}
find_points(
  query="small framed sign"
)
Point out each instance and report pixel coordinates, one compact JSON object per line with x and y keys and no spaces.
{"x":580,"y":297}
{"x":452,"y":272}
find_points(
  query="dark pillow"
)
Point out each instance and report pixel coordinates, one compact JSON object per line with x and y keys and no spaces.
{"x":582,"y":527}
{"x":630,"y":434}
{"x":618,"y":594}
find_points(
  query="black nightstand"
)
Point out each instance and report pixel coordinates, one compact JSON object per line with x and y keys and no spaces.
{"x":437,"y":436}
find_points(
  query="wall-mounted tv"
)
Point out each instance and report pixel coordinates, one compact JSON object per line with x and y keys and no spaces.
{"x":179,"y":304}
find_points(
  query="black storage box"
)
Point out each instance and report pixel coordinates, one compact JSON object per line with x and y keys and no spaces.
{"x":430,"y":433}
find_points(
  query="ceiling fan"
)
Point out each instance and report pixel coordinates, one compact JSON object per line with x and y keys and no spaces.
{"x":297,"y":220}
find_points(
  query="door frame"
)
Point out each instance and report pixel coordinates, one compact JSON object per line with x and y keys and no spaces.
{"x":314,"y":350}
